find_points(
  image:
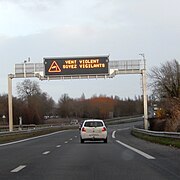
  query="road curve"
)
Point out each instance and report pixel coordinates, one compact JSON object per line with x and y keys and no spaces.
{"x":61,"y":156}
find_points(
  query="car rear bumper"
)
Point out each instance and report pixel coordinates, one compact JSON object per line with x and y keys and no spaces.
{"x":86,"y":136}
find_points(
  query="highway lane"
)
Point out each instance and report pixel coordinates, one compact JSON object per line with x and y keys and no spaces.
{"x":167,"y":158}
{"x":61,"y":156}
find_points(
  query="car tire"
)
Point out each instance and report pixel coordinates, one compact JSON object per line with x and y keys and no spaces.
{"x":82,"y":141}
{"x":105,"y":141}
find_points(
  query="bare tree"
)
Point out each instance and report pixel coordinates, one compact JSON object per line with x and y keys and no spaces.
{"x":166,"y":80}
{"x":28,"y":88}
{"x":166,"y":87}
{"x":65,"y":106}
{"x":36,"y":104}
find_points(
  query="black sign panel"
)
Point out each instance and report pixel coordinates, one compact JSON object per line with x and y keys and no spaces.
{"x":76,"y":66}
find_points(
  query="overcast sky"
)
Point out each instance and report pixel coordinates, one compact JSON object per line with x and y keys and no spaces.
{"x":60,"y":28}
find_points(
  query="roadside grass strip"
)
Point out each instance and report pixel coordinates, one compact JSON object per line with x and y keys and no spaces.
{"x":8,"y":138}
{"x":32,"y":138}
{"x":160,"y":140}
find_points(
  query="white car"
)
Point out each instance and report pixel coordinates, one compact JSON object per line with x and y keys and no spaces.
{"x":93,"y":129}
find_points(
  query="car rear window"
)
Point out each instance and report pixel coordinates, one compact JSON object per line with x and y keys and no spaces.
{"x":93,"y":124}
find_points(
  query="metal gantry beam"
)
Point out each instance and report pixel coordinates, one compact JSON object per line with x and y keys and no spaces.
{"x":116,"y":67}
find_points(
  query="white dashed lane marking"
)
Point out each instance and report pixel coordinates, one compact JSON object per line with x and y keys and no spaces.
{"x":66,"y":142}
{"x":19,"y":168}
{"x":45,"y":153}
{"x":58,"y":146}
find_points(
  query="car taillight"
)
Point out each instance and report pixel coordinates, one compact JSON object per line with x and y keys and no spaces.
{"x":103,"y":129}
{"x":83,"y":129}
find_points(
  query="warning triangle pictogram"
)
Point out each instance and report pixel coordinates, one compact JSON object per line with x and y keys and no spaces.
{"x":54,"y":67}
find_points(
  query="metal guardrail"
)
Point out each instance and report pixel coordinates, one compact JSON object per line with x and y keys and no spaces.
{"x":126,"y":65}
{"x":36,"y":129}
{"x":29,"y":131}
{"x":5,"y":128}
{"x":175,"y":135}
{"x":124,"y":117}
{"x":120,"y":120}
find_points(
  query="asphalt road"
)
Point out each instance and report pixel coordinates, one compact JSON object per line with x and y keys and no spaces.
{"x":60,"y":156}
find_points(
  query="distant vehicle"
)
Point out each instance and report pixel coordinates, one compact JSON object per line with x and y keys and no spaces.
{"x":93,"y":129}
{"x":74,"y":122}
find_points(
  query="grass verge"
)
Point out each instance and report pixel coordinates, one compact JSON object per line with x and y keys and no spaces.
{"x":160,"y":140}
{"x":19,"y":136}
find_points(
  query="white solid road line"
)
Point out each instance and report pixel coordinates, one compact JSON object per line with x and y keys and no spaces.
{"x":58,"y":146}
{"x":28,"y":139}
{"x":136,"y":150}
{"x":45,"y":153}
{"x":18,"y":169}
{"x":113,"y":134}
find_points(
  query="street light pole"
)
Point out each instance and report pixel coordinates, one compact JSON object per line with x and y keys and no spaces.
{"x":144,"y":86}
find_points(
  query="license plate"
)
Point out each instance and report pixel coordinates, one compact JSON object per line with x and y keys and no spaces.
{"x":94,"y":135}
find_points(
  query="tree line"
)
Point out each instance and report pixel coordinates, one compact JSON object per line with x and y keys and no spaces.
{"x":33,"y":105}
{"x":102,"y":107}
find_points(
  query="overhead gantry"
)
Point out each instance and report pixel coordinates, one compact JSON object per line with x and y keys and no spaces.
{"x":85,"y":67}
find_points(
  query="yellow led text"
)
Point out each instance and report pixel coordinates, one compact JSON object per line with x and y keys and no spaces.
{"x":90,"y":64}
{"x":83,"y":64}
{"x":70,"y":64}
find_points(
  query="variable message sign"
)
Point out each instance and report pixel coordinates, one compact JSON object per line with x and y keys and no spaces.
{"x":76,"y":66}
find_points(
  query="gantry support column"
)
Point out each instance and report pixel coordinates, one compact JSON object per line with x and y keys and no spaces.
{"x":10,"y":106}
